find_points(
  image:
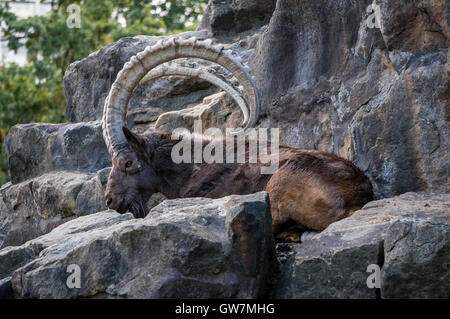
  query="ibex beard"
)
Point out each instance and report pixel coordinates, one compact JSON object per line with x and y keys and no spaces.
{"x":309,"y":187}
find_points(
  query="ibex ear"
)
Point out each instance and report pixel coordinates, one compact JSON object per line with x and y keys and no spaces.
{"x":136,"y":141}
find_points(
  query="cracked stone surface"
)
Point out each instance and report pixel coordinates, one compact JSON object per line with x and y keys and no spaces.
{"x":407,"y":236}
{"x":36,"y":206}
{"x":186,"y":248}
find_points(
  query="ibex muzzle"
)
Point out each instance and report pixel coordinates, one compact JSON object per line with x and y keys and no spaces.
{"x":310,"y":187}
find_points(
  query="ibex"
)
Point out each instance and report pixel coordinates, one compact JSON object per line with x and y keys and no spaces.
{"x":310,"y":187}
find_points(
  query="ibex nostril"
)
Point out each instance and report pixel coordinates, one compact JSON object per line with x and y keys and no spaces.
{"x":108,"y":202}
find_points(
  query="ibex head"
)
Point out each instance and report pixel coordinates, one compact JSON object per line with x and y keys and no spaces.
{"x":133,"y":178}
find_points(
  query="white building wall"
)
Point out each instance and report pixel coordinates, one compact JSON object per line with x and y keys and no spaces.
{"x":22,"y":10}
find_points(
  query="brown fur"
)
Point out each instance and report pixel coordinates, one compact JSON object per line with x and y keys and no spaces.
{"x":310,"y":187}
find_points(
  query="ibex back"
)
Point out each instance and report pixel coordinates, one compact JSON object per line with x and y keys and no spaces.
{"x":310,"y":187}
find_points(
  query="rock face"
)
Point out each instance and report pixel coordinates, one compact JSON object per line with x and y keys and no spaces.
{"x":376,"y":96}
{"x":414,"y":25}
{"x":193,"y":248}
{"x":167,"y":95}
{"x":407,"y":236}
{"x":231,"y":16}
{"x":36,"y":149}
{"x":218,"y":110}
{"x":417,"y":262}
{"x":36,"y":206}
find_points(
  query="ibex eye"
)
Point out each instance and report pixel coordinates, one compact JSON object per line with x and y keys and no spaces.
{"x":128,"y":164}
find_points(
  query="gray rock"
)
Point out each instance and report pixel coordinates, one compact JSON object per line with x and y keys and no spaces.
{"x":330,"y":82}
{"x":4,"y":226}
{"x":412,"y":25}
{"x":218,"y":110}
{"x":407,"y":236}
{"x":400,"y":138}
{"x":333,"y":265}
{"x":191,"y":248}
{"x":12,"y":258}
{"x":6,"y":291}
{"x":229,"y":16}
{"x":167,"y":95}
{"x":36,"y":149}
{"x":35,"y":207}
{"x":417,"y":260}
{"x":87,"y":83}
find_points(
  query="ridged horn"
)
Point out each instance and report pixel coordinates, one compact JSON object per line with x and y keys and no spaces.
{"x":164,"y":51}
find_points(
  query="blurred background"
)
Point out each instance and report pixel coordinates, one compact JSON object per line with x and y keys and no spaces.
{"x":37,"y":45}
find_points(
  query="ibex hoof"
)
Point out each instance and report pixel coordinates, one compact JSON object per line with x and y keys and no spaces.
{"x":308,"y":235}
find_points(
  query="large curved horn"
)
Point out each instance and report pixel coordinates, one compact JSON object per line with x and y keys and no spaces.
{"x":174,"y":69}
{"x":165,"y":51}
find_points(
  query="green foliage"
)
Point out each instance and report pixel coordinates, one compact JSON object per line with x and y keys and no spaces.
{"x":34,"y":92}
{"x":25,"y":98}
